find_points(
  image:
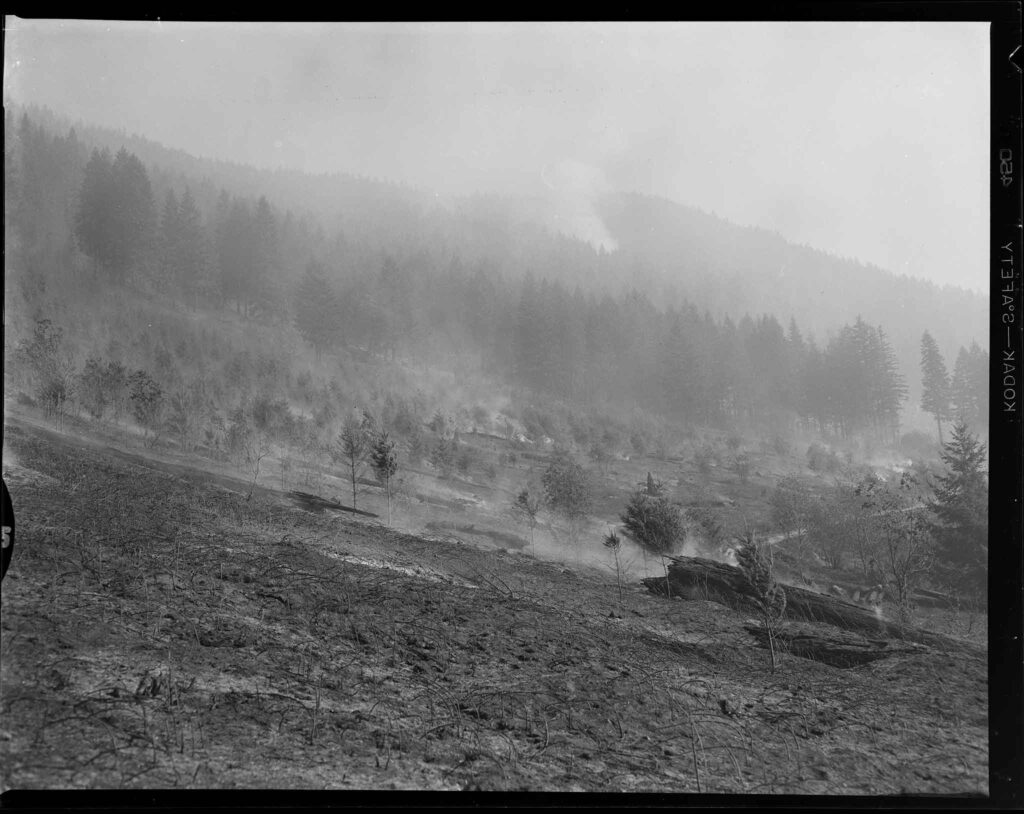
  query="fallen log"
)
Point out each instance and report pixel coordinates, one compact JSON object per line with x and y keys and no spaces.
{"x":315,"y":503}
{"x":699,"y":578}
{"x":837,"y":647}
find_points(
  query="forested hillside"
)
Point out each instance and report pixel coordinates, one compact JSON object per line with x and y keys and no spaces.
{"x":374,"y":272}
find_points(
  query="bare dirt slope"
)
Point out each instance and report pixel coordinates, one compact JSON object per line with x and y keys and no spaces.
{"x":160,"y":631}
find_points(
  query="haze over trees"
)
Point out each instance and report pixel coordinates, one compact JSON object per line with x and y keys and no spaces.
{"x":297,"y":315}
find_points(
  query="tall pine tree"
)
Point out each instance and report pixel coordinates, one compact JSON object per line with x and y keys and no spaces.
{"x":961,"y":509}
{"x":935,"y":392}
{"x":94,"y":217}
{"x":963,"y":392}
{"x":316,"y":311}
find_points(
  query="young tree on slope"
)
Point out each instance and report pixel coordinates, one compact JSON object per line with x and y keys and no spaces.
{"x":385,"y":464}
{"x":568,"y":491}
{"x":935,"y":394}
{"x":654,"y":521}
{"x":527,"y":505}
{"x":756,"y":561}
{"x":351,"y":447}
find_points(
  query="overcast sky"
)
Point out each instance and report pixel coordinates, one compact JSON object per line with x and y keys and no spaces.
{"x":868,"y":140}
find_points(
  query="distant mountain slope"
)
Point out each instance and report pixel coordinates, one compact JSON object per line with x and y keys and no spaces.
{"x":741,"y":269}
{"x":670,"y":250}
{"x":735,"y":270}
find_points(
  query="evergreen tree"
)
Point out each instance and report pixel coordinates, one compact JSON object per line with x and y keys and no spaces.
{"x":170,"y":239}
{"x":528,"y":504}
{"x":935,"y":385}
{"x":351,"y":447}
{"x":95,"y":213}
{"x":814,"y":395}
{"x":134,"y":220}
{"x":676,"y":372}
{"x":385,"y":464}
{"x":654,"y":521}
{"x":965,"y":398}
{"x":890,"y":389}
{"x":395,"y":285}
{"x":261,"y":284}
{"x":115,"y":221}
{"x":960,"y":507}
{"x":193,"y":262}
{"x":567,"y":487}
{"x":978,"y":376}
{"x":863,"y":388}
{"x":316,"y":311}
{"x":528,"y":346}
{"x":235,"y":252}
{"x":12,"y":175}
{"x":756,"y":562}
{"x":568,"y":492}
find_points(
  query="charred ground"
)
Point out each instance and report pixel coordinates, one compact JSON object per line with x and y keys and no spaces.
{"x":161,"y":631}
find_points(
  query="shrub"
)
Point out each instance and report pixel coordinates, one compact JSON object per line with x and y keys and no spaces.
{"x":187,"y":411}
{"x":638,"y":443}
{"x":442,"y":456}
{"x":741,"y":466}
{"x":147,"y":400}
{"x":481,"y":416}
{"x":781,"y":445}
{"x":416,"y":447}
{"x":611,"y":437}
{"x":703,"y":459}
{"x":600,"y":455}
{"x":755,"y":561}
{"x":792,"y":507}
{"x":822,"y":459}
{"x":405,"y":422}
{"x":706,"y":520}
{"x":465,"y":459}
{"x":917,"y":444}
{"x":579,"y":429}
{"x":567,"y":487}
{"x":442,"y":424}
{"x":50,"y":368}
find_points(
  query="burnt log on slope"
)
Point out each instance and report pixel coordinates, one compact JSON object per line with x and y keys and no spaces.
{"x":315,"y":503}
{"x":839,"y":648}
{"x":699,"y":578}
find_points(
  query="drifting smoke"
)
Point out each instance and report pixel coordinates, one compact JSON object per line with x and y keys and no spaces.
{"x":573,"y":189}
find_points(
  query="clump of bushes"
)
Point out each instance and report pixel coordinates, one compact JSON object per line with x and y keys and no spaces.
{"x":781,"y":445}
{"x":704,"y":459}
{"x":741,"y":466}
{"x":822,"y":459}
{"x":917,"y":444}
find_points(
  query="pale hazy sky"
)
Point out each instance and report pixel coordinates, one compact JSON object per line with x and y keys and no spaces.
{"x":868,"y":140}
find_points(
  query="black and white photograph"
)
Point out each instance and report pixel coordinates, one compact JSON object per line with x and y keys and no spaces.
{"x":499,"y":406}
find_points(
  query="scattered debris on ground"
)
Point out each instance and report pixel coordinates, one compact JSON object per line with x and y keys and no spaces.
{"x":160,"y":631}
